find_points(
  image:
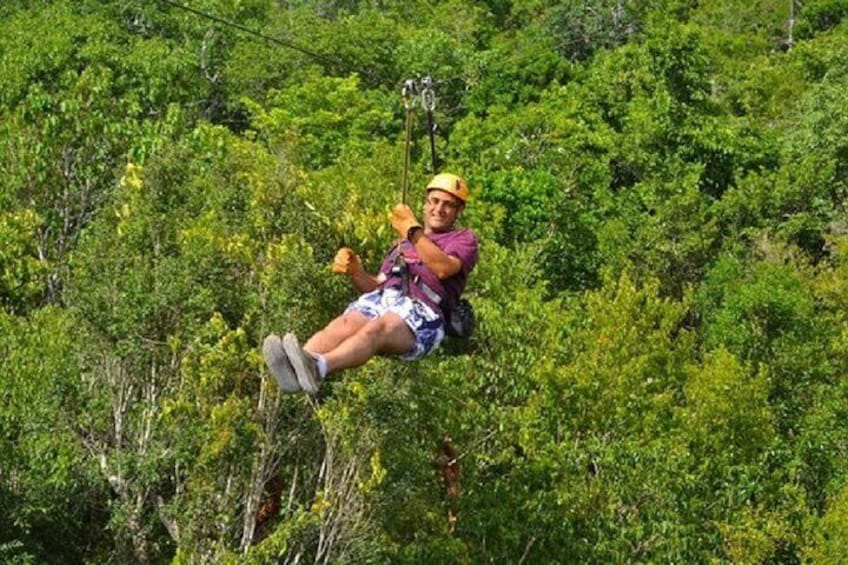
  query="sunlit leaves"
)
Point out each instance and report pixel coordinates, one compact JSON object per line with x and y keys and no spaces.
{"x":21,"y":269}
{"x":319,"y":118}
{"x":45,"y":470}
{"x":829,"y":542}
{"x":727,"y":410}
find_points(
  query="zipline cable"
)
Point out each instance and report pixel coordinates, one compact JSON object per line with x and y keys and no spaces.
{"x":329,"y":61}
{"x":412,"y":90}
{"x":336,"y":63}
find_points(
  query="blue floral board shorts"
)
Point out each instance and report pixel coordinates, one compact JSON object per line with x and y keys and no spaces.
{"x":427,"y":326}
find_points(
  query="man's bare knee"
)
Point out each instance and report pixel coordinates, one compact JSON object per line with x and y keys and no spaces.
{"x":338,"y":330}
{"x":377,"y":327}
{"x":389,"y":334}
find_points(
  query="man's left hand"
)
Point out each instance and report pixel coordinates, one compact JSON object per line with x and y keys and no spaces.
{"x":403,"y":220}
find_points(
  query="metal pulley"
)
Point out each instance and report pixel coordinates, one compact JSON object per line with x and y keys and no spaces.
{"x":428,"y":95}
{"x":410,"y":93}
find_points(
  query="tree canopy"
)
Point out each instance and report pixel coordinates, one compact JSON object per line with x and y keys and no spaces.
{"x":660,"y":367}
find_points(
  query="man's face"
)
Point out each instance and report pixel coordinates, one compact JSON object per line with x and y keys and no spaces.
{"x":441,"y":210}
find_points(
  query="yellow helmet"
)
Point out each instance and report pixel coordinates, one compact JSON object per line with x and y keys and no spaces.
{"x":450,"y":183}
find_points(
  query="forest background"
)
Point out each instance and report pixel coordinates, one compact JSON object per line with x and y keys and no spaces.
{"x":660,"y":367}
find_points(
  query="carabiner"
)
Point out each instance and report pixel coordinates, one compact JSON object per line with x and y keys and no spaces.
{"x":428,"y":95}
{"x":410,"y":93}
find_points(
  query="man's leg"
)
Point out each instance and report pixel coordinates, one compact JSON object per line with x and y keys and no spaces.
{"x":336,"y":332}
{"x":387,"y":334}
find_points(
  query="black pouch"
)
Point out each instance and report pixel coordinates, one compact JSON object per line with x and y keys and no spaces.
{"x":460,"y":320}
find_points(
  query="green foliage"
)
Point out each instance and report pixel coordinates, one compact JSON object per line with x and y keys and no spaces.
{"x":212,"y":424}
{"x":828,"y":544}
{"x":317,"y":119}
{"x":766,"y":315}
{"x":581,"y":28}
{"x":761,"y":313}
{"x":21,"y":271}
{"x":515,"y":71}
{"x":575,"y":468}
{"x":49,"y":493}
{"x":76,"y":102}
{"x":819,"y":16}
{"x":658,"y":369}
{"x":814,"y":180}
{"x":727,"y":411}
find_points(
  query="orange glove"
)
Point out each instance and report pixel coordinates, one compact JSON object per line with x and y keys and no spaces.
{"x":347,"y":262}
{"x":403,"y":220}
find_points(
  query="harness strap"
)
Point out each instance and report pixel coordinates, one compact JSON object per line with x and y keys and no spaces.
{"x":427,"y":290}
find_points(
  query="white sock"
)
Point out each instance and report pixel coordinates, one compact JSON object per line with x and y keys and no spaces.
{"x":322,"y":365}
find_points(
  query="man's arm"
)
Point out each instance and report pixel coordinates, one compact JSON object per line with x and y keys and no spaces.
{"x":442,"y":264}
{"x":363,"y":281}
{"x":347,"y":262}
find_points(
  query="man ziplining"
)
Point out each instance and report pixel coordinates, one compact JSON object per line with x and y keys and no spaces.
{"x":402,"y":310}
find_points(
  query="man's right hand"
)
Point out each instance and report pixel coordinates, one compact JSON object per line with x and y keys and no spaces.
{"x":347,"y":262}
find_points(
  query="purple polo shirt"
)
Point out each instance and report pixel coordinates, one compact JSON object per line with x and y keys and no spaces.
{"x":461,"y":243}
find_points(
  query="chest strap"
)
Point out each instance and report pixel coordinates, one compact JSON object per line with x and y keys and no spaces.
{"x":427,"y":290}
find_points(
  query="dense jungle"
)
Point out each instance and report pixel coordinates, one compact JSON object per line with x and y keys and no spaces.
{"x":659,"y":372}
